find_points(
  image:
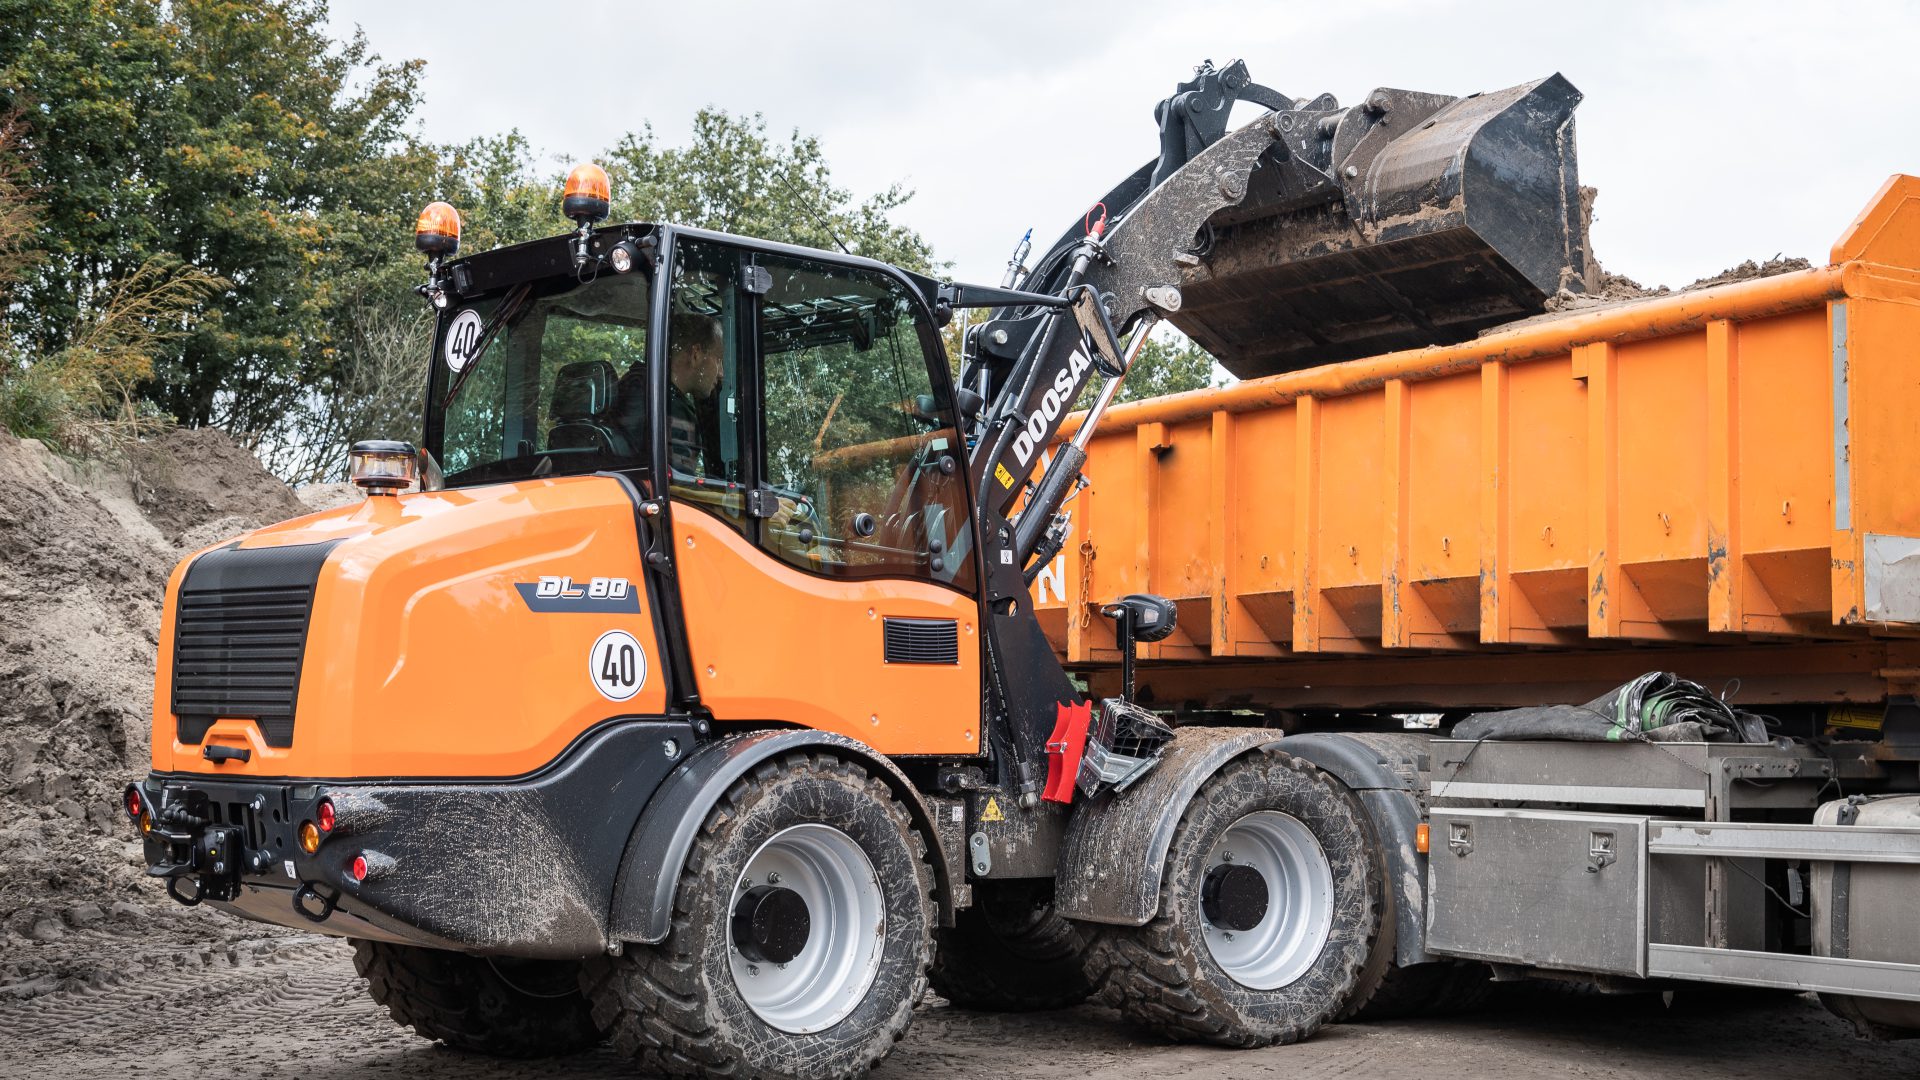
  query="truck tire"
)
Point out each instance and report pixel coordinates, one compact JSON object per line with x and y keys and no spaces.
{"x":498,"y":1007}
{"x":1441,"y":988}
{"x":1387,"y":991}
{"x":1013,"y":952}
{"x":801,"y":935}
{"x":1218,"y":963}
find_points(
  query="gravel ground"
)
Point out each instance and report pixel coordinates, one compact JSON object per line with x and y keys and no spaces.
{"x":280,"y":1005}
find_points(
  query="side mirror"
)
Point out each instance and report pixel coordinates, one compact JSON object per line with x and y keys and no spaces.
{"x":968,"y":402}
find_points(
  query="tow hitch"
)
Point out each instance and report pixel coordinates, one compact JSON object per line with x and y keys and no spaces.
{"x":195,"y":849}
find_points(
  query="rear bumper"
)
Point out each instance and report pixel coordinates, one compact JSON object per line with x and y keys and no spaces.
{"x":524,"y":867}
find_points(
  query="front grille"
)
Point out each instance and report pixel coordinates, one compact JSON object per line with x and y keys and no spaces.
{"x":238,"y":636}
{"x":922,"y":641}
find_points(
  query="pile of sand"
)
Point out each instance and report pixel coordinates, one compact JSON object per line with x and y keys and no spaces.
{"x":1605,"y":289}
{"x":85,"y":552}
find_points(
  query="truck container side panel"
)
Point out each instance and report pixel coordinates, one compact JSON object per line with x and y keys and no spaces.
{"x":1343,"y":603}
{"x":1263,"y":511}
{"x":1776,"y":508}
{"x":1178,"y":527}
{"x":1660,"y":432}
{"x":1884,"y":375}
{"x":1680,"y":470}
{"x":1104,"y":523}
{"x":1432,"y":589}
{"x":1662,"y":449}
{"x":1544,"y":577}
{"x":1884,"y":433}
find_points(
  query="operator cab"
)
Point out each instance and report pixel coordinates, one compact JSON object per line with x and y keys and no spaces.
{"x":804,"y":398}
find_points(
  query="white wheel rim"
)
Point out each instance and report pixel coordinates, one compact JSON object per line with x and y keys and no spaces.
{"x":846,"y":929}
{"x":1291,"y":934}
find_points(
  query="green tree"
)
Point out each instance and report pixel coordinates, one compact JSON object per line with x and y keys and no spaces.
{"x":237,"y":138}
{"x":732,"y":177}
{"x":1167,"y":367}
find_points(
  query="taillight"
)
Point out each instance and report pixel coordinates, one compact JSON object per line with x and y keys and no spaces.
{"x":133,"y":802}
{"x":359,"y":868}
{"x":325,"y":814}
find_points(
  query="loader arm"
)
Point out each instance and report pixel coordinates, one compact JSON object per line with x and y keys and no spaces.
{"x":1408,"y":219}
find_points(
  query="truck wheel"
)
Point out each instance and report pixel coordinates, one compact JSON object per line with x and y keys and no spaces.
{"x":485,"y":1005}
{"x":802,"y":930}
{"x":1441,"y":988}
{"x":1269,"y":906}
{"x":1013,"y":952}
{"x":1386,"y":990}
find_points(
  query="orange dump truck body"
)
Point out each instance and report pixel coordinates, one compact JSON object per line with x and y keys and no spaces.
{"x":1730,"y":476}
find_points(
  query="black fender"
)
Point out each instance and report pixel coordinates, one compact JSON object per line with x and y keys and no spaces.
{"x":657,"y":849}
{"x":1384,"y":770}
{"x":1116,"y":844}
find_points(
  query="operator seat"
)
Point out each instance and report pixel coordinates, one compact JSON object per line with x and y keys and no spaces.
{"x":583,"y":410}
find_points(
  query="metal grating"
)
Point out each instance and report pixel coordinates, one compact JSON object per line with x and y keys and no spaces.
{"x":922,"y":641}
{"x":239,"y":632}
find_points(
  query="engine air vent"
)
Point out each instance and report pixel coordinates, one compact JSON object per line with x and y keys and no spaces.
{"x":239,"y":633}
{"x":923,"y":641}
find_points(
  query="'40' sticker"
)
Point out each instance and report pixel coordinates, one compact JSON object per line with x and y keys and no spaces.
{"x":618,"y":665}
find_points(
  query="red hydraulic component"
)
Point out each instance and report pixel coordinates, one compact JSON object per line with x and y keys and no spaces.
{"x":1064,"y":747}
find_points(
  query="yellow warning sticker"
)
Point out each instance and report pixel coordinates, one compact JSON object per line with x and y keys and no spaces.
{"x":992,"y":812}
{"x":1861,"y":717}
{"x":1001,"y":474}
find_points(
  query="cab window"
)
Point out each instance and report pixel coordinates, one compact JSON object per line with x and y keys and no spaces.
{"x":858,"y":445}
{"x":705,"y":407}
{"x":560,"y":387}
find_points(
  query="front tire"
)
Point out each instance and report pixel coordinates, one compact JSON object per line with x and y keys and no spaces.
{"x":1270,"y":903}
{"x":801,"y":936}
{"x":1013,"y":952}
{"x":493,"y":1006}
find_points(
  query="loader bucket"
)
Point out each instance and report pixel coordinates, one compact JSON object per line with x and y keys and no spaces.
{"x":1409,"y":220}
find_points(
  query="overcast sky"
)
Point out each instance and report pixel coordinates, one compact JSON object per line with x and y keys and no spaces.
{"x":1715,"y":131}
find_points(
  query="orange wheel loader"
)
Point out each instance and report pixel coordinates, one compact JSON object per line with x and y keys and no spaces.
{"x":684,"y":688}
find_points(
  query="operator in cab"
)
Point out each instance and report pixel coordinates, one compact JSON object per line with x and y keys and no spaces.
{"x":696,"y":364}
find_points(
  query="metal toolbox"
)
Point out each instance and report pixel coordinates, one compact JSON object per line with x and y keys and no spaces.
{"x":1540,"y":888}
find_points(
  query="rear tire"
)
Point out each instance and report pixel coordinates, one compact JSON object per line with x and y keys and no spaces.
{"x":715,"y":1000}
{"x":1441,"y":988}
{"x":1387,"y":991}
{"x":497,"y":1007}
{"x":1291,"y":969}
{"x":1013,"y":952}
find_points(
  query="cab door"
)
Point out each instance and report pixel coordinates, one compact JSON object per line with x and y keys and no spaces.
{"x":825,"y":557}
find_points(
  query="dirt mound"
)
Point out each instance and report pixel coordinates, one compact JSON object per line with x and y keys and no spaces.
{"x":1606,"y":289}
{"x":1749,"y":270}
{"x":84,"y":556}
{"x":193,"y":477}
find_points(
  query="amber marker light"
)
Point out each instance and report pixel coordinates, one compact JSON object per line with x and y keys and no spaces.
{"x":589,"y":195}
{"x":309,"y":837}
{"x":437,"y":232}
{"x":1421,"y":835}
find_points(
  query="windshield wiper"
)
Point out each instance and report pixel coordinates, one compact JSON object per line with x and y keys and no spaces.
{"x":508,"y":311}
